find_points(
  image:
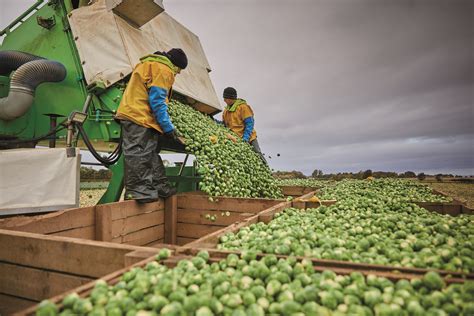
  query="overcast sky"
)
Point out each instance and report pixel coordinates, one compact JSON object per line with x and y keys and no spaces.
{"x":343,"y":85}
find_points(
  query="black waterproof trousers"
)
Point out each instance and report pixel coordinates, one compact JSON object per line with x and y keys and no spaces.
{"x":145,"y":175}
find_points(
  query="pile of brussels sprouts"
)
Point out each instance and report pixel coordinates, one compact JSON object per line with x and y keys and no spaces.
{"x":407,"y":190}
{"x":227,"y":168}
{"x":246,"y":285}
{"x":309,"y":182}
{"x":379,"y":231}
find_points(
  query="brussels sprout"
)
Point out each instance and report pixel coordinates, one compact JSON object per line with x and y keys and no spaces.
{"x":433,"y":281}
{"x":162,"y":255}
{"x":47,"y":308}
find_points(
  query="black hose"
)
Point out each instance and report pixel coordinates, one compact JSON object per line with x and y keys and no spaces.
{"x":35,"y":140}
{"x":10,"y":60}
{"x":107,"y":161}
{"x":35,"y":72}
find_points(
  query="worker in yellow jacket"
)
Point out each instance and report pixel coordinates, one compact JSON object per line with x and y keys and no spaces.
{"x":239,"y":118}
{"x":146,"y":124}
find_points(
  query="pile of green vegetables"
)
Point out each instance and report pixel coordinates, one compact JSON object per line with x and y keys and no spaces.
{"x":378,"y":231}
{"x":403,"y":189}
{"x":269,"y":286}
{"x":227,"y":168}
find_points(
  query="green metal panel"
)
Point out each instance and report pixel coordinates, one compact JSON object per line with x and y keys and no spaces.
{"x":187,"y":181}
{"x":114,"y":190}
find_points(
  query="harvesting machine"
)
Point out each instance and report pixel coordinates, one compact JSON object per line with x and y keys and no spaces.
{"x":64,"y":65}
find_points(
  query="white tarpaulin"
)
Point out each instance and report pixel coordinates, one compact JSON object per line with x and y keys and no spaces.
{"x":38,"y":180}
{"x":109,"y":49}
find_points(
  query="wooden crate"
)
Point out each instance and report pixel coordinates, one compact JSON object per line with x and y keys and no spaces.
{"x":454,"y":208}
{"x":34,"y":267}
{"x":178,"y":220}
{"x":210,"y":242}
{"x":215,"y":256}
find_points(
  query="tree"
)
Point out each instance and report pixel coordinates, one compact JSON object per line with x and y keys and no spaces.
{"x":421,"y":176}
{"x":367,"y":173}
{"x":409,"y":174}
{"x":317,"y":173}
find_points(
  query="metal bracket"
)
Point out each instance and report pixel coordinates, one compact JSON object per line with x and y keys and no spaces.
{"x":47,"y":23}
{"x":71,"y":152}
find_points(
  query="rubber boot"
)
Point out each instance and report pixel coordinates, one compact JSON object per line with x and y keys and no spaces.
{"x":165,"y":189}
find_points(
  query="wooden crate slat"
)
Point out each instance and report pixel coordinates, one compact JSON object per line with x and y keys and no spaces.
{"x":195,"y":230}
{"x":181,"y":241}
{"x":36,"y":284}
{"x":126,"y":209}
{"x":296,"y":190}
{"x":142,"y":237}
{"x":62,"y":254}
{"x":137,"y":256}
{"x":10,"y":304}
{"x":171,"y":209}
{"x":213,"y":238}
{"x":194,"y":216}
{"x":225,"y":204}
{"x":53,"y":222}
{"x":131,"y":224}
{"x":81,"y":232}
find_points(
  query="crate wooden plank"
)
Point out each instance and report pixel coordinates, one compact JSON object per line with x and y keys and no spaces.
{"x":103,"y":223}
{"x":85,"y":290}
{"x":81,"y":232}
{"x":267,"y":215}
{"x":199,"y":217}
{"x":225,"y":204}
{"x":211,"y":240}
{"x":195,"y":230}
{"x":63,"y":254}
{"x":129,"y":208}
{"x":297,"y":190}
{"x":142,"y":237}
{"x":467,"y":210}
{"x":137,"y":256}
{"x":131,"y":224}
{"x":171,"y":208}
{"x":181,"y":241}
{"x":160,"y":243}
{"x":53,"y":222}
{"x":10,"y":304}
{"x":36,"y":284}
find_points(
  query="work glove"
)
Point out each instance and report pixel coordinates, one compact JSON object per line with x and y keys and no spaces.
{"x":174,"y":136}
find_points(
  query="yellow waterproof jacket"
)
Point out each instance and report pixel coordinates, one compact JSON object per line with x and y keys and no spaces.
{"x":239,"y":118}
{"x":145,"y":99}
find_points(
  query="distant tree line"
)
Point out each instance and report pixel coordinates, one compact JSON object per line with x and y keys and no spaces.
{"x":363,"y":174}
{"x":95,"y":174}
